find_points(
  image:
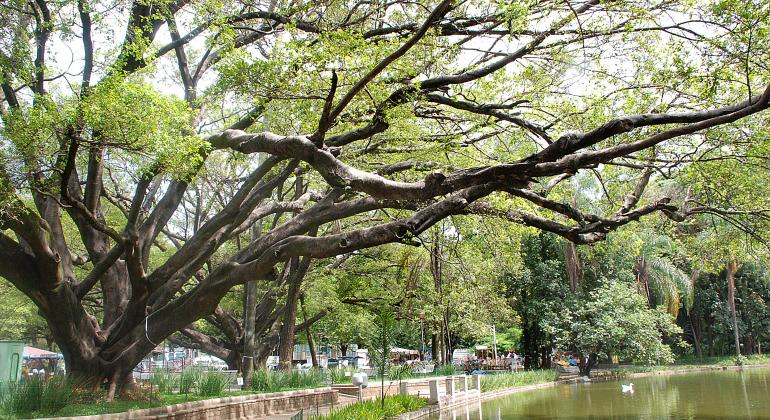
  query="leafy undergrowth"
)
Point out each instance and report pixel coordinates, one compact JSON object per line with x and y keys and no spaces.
{"x":118,"y":406}
{"x":64,"y":397}
{"x":35,"y":396}
{"x":514,"y":379}
{"x":374,"y":410}
{"x":265,"y":380}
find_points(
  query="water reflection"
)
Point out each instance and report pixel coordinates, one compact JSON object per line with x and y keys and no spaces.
{"x":710,"y":395}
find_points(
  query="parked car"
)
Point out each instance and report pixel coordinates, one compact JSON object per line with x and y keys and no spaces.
{"x":212,"y":362}
{"x":353,"y":361}
{"x":273,"y":362}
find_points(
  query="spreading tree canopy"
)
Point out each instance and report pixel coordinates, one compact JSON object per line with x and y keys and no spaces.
{"x":143,"y":140}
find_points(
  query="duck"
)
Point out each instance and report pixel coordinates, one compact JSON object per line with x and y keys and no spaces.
{"x":627,"y":388}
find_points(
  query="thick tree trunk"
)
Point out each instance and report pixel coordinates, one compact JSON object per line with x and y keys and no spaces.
{"x":309,"y":334}
{"x":249,"y":320}
{"x":286,"y":346}
{"x":587,"y":363}
{"x":249,"y":333}
{"x":297,"y":270}
{"x":573,"y":265}
{"x":748,"y":344}
{"x":695,"y":327}
{"x":435,"y":348}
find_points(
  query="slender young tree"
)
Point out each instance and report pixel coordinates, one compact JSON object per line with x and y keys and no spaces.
{"x":732,"y":268}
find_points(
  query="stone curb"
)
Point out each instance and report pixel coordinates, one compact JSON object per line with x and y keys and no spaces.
{"x":189,"y":409}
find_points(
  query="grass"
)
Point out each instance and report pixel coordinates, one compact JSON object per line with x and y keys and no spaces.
{"x":514,"y":379}
{"x":61,"y":396}
{"x":265,"y":380}
{"x":212,"y":383}
{"x":373,"y":410}
{"x":188,"y":378}
{"x":164,"y":381}
{"x":118,"y":406}
{"x":445,"y":370}
{"x":36,"y":396}
{"x":341,"y":376}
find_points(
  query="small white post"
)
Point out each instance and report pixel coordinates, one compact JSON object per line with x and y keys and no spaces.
{"x":450,"y":385}
{"x":433,"y":385}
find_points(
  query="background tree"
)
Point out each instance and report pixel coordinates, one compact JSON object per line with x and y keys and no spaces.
{"x":615,"y":321}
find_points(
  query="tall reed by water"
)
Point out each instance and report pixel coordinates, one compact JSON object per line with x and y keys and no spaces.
{"x":513,"y":379}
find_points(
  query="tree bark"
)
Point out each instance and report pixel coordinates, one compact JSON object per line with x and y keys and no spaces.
{"x":695,"y":327}
{"x":286,"y":346}
{"x":587,"y":363}
{"x":249,"y":333}
{"x":732,"y":269}
{"x":309,"y":334}
{"x":249,"y":321}
{"x":573,"y":264}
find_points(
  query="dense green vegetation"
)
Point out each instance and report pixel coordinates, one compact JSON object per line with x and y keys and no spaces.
{"x":204,"y":383}
{"x":392,"y":406}
{"x":63,"y":397}
{"x":265,"y":380}
{"x":36,"y":397}
{"x":515,"y":379}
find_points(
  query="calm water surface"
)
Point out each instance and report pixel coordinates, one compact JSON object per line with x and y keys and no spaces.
{"x":707,"y":395}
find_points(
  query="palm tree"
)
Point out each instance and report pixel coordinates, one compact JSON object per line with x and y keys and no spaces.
{"x":657,"y":277}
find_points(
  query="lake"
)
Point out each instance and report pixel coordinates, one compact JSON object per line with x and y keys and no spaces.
{"x":702,"y":395}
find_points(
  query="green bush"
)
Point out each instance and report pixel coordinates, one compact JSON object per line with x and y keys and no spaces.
{"x":188,"y":379}
{"x":38,"y":396}
{"x":340,"y":376}
{"x":212,"y":383}
{"x":513,"y":379}
{"x":164,"y":381}
{"x":400,"y":372}
{"x":265,"y":380}
{"x":445,"y":370}
{"x":373,"y":410}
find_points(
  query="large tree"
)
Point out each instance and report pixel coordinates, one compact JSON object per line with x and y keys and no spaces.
{"x":118,"y":114}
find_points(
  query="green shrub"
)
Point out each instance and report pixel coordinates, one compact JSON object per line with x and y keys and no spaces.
{"x":265,"y":380}
{"x":513,"y":379}
{"x":400,"y":372}
{"x":212,"y":383}
{"x":373,"y":410}
{"x":261,"y":380}
{"x":445,"y":370}
{"x":188,"y":379}
{"x":340,"y":376}
{"x":38,"y":396}
{"x":164,"y":381}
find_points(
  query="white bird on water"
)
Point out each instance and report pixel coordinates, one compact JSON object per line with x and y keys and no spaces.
{"x":627,"y":388}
